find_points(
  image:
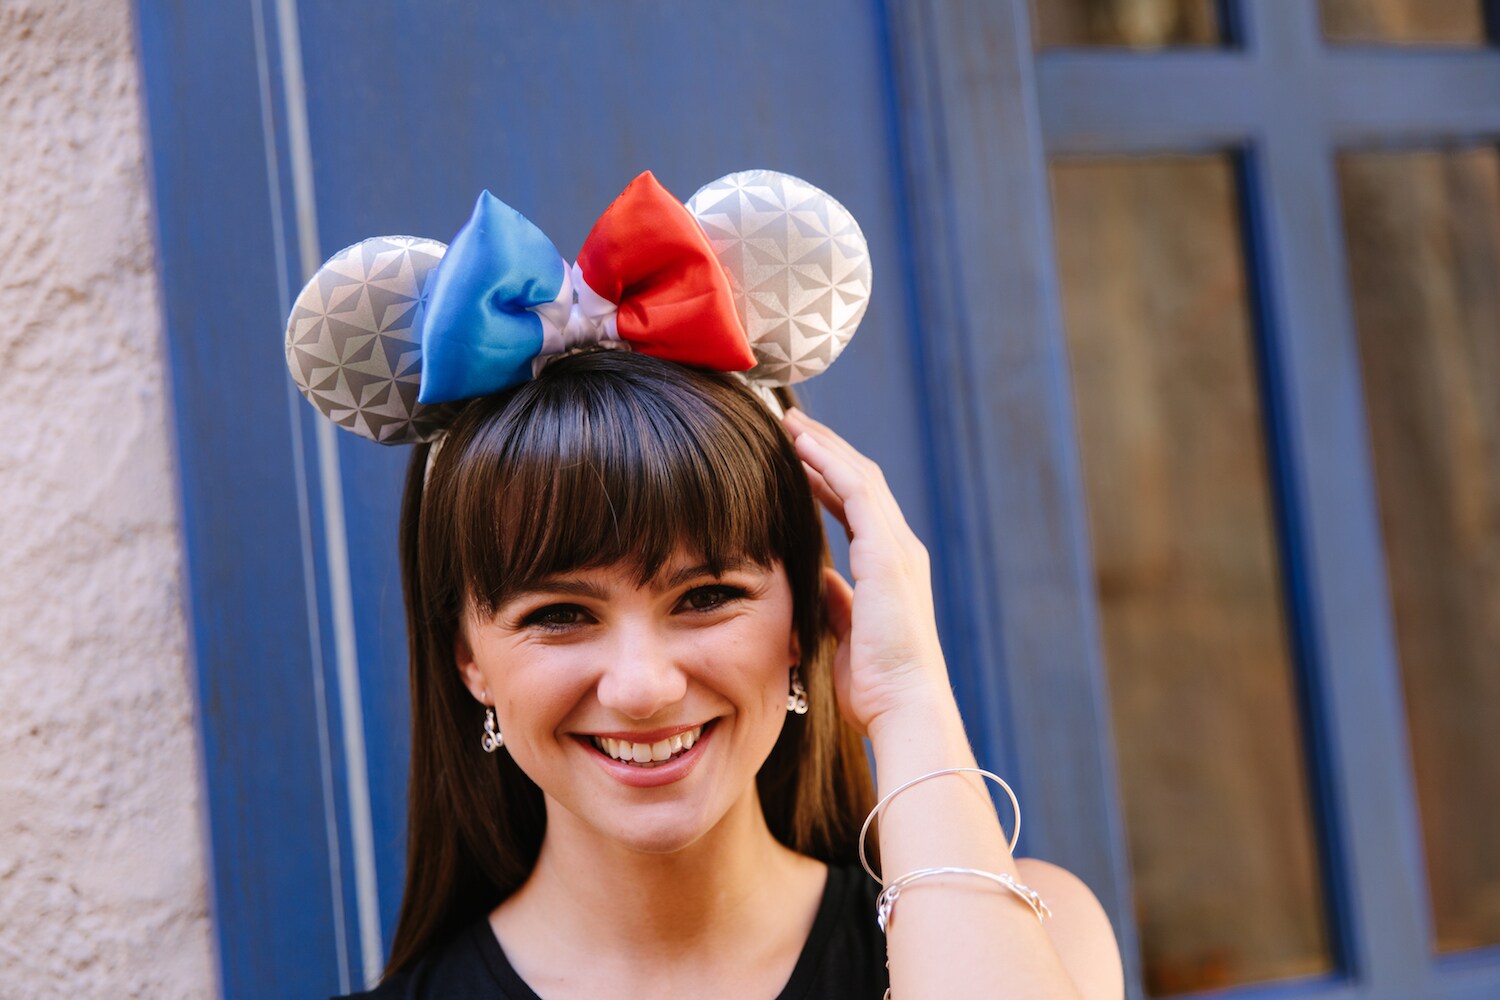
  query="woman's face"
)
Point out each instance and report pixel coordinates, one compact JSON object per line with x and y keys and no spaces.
{"x":643,"y":712}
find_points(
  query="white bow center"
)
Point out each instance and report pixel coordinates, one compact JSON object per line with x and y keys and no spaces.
{"x":578,"y":317}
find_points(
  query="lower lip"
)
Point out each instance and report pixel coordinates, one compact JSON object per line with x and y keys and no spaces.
{"x":649,"y":777}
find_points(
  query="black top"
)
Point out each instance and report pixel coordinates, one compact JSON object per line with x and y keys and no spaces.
{"x":843,"y":959}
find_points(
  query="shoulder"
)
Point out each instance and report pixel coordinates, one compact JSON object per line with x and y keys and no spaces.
{"x":1079,"y":928}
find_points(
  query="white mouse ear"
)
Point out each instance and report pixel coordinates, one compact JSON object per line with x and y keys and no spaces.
{"x":797,"y":263}
{"x":353,"y":340}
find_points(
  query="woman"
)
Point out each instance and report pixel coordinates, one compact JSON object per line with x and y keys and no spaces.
{"x":638,"y":697}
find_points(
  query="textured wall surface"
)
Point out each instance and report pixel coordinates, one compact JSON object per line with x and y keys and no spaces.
{"x":102,"y":863}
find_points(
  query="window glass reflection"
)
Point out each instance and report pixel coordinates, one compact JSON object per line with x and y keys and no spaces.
{"x":1409,"y":22}
{"x":1141,"y":24}
{"x":1422,"y":231}
{"x":1209,"y":743}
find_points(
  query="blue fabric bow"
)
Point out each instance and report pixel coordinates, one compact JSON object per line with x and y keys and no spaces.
{"x":479,"y":333}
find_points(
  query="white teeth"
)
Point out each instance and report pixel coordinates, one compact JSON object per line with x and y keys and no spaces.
{"x":648,"y":753}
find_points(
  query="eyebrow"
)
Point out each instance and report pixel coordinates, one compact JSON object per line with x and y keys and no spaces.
{"x":584,"y":588}
{"x":557,"y":585}
{"x":687,"y":573}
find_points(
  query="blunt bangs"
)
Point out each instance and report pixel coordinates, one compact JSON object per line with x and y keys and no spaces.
{"x":611,"y":458}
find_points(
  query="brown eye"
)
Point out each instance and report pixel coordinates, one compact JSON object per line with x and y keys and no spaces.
{"x":555,"y":616}
{"x":709,"y":598}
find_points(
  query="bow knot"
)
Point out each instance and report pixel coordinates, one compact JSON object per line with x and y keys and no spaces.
{"x":578,"y":317}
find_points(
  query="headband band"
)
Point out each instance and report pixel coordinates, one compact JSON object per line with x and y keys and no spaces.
{"x":759,"y":273}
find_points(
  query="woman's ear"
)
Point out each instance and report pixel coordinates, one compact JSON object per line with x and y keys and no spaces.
{"x":838,"y":603}
{"x":468,"y":669}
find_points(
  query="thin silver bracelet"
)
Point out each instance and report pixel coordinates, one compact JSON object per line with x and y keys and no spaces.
{"x":880,"y":808}
{"x":885,"y":906}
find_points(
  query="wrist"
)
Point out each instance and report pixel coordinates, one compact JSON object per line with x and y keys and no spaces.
{"x":926,"y":714}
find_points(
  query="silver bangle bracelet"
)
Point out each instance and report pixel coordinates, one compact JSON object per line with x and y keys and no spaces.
{"x":885,"y":905}
{"x":880,"y":808}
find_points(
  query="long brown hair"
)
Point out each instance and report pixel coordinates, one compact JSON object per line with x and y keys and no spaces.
{"x":606,"y":458}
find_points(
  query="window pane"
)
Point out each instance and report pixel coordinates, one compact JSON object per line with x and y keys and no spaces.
{"x":1145,"y":24}
{"x":1423,"y":234}
{"x":1211,"y":754}
{"x":1419,"y":22}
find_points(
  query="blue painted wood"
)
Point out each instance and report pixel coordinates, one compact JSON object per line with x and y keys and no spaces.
{"x":1094,"y":102}
{"x":1411,"y":97}
{"x":998,"y":395}
{"x":1175,"y":100}
{"x":332,"y":765}
{"x":373,"y":477}
{"x":279,"y":71}
{"x":271,"y":883}
{"x":1282,"y":461}
{"x":1330,"y":489}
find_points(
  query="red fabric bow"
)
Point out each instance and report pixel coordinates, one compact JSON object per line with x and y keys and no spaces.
{"x":649,"y":255}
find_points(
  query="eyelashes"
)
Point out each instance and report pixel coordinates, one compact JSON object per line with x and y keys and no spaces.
{"x":565,"y":617}
{"x":712,"y":597}
{"x":553,"y":617}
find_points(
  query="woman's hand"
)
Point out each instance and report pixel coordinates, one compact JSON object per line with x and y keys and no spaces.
{"x":888,"y":653}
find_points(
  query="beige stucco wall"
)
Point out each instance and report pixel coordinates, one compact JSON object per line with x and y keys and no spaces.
{"x":102,"y":860}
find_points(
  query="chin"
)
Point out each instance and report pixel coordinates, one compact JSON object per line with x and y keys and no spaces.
{"x":661,"y":831}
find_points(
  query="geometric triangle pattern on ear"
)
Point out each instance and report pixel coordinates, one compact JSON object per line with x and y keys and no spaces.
{"x":798,"y":267}
{"x":353,"y":342}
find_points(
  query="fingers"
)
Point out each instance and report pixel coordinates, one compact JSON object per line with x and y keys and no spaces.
{"x":798,"y":422}
{"x":856,"y":484}
{"x":854,"y":492}
{"x":825,"y":495}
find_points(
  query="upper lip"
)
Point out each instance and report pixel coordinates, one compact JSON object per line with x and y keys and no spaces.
{"x":648,"y":735}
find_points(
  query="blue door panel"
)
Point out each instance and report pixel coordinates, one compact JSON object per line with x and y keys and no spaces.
{"x":260,"y":733}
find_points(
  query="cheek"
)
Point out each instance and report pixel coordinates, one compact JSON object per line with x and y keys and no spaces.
{"x":757,"y":663}
{"x":535,"y":687}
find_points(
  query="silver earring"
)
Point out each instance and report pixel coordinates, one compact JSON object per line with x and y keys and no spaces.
{"x":797,"y":700}
{"x":493,"y":740}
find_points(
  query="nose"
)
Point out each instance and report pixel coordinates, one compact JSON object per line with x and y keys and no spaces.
{"x":642,"y":678}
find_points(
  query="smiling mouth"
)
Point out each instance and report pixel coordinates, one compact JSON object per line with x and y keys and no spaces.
{"x":649,"y":755}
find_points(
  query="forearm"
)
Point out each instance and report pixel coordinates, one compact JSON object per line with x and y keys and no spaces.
{"x":952,"y":936}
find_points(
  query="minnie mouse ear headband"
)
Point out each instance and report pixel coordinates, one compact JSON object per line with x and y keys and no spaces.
{"x":760,"y":273}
